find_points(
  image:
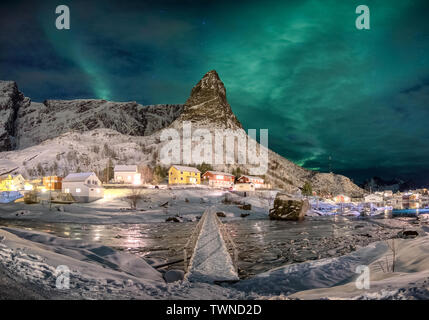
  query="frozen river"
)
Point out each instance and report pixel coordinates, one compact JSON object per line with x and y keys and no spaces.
{"x":262,"y":244}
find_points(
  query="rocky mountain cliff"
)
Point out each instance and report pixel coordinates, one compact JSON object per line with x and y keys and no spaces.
{"x":62,"y":136}
{"x":11,"y":100}
{"x":207,"y":105}
{"x":25,"y":123}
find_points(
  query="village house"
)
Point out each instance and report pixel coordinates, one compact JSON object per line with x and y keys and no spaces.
{"x":84,"y":187}
{"x":127,"y":174}
{"x":257,"y":181}
{"x":12,"y":183}
{"x":387,"y":194}
{"x":244,"y":187}
{"x":218,"y":179}
{"x":410,"y":196}
{"x":341,"y":198}
{"x":376,"y":199}
{"x":183,"y":175}
{"x":52,"y":183}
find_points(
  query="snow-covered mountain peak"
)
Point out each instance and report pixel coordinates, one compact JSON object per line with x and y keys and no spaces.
{"x":207,"y":106}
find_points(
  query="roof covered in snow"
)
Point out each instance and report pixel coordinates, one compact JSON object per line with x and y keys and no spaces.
{"x":219,"y":173}
{"x":78,"y":177}
{"x":126,"y":168}
{"x":188,"y":169}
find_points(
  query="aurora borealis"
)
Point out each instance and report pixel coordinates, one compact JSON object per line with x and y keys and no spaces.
{"x":299,"y":68}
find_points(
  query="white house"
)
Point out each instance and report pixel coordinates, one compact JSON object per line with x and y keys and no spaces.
{"x":84,"y":187}
{"x":257,"y":181}
{"x":127,"y":174}
{"x":244,"y":187}
{"x":374,"y":198}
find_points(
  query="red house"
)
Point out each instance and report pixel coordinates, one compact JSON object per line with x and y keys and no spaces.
{"x":218,"y":179}
{"x":257,"y":181}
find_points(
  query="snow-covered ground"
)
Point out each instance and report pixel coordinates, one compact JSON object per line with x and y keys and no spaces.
{"x":28,"y":259}
{"x":336,"y":278}
{"x":98,"y":272}
{"x":156,"y":206}
{"x":211,"y":260}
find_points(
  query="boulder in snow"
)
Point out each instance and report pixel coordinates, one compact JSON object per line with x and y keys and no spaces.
{"x":59,"y":208}
{"x":173,"y":219}
{"x":408,"y":234}
{"x":288,"y":208}
{"x":246,"y":207}
{"x":173,"y":275}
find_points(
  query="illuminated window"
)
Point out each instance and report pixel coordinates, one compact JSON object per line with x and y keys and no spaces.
{"x":78,"y":190}
{"x":67,"y":190}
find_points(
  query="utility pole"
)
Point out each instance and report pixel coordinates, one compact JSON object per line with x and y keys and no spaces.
{"x":50,"y":192}
{"x":107,"y":172}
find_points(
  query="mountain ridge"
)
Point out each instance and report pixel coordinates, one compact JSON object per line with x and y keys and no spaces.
{"x":206,"y":107}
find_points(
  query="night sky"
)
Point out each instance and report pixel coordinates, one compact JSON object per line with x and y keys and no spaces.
{"x":299,"y":68}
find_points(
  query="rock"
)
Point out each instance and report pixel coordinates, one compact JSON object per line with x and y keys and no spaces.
{"x":246,"y":207}
{"x":408,"y":234}
{"x":221,"y":214}
{"x":173,"y":219}
{"x":173,"y":275}
{"x":288,"y":208}
{"x":35,"y":121}
{"x":209,"y":95}
{"x":332,"y":252}
{"x":22,"y":212}
{"x":11,"y":100}
{"x":244,"y":215}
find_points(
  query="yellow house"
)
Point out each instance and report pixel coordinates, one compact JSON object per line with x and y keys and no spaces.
{"x":12,"y":183}
{"x":184,"y":175}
